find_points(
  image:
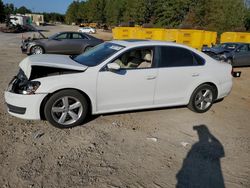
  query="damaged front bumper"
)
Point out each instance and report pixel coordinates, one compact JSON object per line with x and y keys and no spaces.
{"x":26,"y":46}
{"x":20,"y":103}
{"x":24,"y":50}
{"x":24,"y":106}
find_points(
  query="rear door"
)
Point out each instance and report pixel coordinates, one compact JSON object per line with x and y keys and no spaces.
{"x":77,"y":43}
{"x":178,"y":69}
{"x":242,"y":56}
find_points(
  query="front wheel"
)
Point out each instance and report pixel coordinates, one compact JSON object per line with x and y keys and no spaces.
{"x":202,"y":99}
{"x":36,"y":50}
{"x":65,"y":109}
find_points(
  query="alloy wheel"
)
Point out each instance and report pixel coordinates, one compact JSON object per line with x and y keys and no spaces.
{"x":203,"y":99}
{"x":37,"y":50}
{"x":66,"y":110}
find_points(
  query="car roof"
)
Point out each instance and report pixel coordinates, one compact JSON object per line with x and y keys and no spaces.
{"x":68,"y":32}
{"x":84,"y":34}
{"x":144,"y":42}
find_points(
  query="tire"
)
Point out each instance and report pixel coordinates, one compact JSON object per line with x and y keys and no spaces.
{"x":66,"y":109}
{"x":202,"y":98}
{"x":36,"y":50}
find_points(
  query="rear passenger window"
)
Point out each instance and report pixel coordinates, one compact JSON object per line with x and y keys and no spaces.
{"x":76,"y":36}
{"x":198,"y":60}
{"x":177,"y":57}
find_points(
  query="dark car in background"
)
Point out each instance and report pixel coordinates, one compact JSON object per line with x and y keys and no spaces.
{"x":71,"y":43}
{"x":237,"y":54}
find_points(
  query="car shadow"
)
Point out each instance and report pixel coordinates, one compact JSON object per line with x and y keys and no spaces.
{"x":202,"y":167}
{"x":93,"y":117}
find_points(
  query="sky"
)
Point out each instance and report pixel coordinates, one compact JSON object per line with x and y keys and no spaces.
{"x":59,"y":6}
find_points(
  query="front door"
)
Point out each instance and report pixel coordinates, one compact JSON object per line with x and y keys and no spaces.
{"x":59,"y":44}
{"x":131,"y":87}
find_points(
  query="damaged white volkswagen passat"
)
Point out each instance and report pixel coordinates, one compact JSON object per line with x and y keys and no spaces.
{"x":116,"y":76}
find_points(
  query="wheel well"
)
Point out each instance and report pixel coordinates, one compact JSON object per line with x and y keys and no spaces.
{"x":214,"y":86}
{"x":42,"y":116}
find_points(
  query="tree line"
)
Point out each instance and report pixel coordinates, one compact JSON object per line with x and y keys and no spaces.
{"x":9,"y":8}
{"x":216,"y":15}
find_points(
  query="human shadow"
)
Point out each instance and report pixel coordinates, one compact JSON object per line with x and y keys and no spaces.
{"x":201,"y":168}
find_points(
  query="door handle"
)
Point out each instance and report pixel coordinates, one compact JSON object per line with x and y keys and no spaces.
{"x":195,"y":74}
{"x":151,"y":77}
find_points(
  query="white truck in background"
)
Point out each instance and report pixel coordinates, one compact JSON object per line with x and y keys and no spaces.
{"x":19,"y":20}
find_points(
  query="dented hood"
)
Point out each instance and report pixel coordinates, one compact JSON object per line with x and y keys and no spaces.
{"x":55,"y":61}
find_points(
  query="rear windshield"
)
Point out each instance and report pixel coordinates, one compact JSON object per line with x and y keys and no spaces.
{"x":98,"y":54}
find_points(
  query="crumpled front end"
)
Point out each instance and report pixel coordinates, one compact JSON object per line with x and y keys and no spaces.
{"x":27,"y":45}
{"x":21,"y":99}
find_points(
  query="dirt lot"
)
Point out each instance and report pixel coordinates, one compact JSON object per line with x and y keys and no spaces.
{"x":146,"y":149}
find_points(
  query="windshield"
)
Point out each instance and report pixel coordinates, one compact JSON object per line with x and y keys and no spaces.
{"x":98,"y":54}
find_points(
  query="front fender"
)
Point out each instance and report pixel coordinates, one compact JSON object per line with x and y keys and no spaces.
{"x":78,"y":81}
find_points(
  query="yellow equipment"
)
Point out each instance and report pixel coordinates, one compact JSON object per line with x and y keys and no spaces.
{"x":194,"y":38}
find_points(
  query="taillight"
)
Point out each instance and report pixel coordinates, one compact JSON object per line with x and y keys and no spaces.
{"x":235,"y":73}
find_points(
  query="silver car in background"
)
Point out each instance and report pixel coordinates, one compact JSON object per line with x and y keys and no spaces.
{"x":68,"y":43}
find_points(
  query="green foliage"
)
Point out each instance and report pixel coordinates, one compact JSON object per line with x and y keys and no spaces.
{"x":2,"y":15}
{"x":218,"y":15}
{"x":171,"y":13}
{"x":247,"y":20}
{"x":72,"y":14}
{"x":96,"y":11}
{"x":114,"y":11}
{"x":9,"y":9}
{"x":22,"y":10}
{"x":53,"y":17}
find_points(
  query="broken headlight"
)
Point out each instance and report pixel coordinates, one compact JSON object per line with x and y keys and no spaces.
{"x":21,"y":85}
{"x":30,"y":87}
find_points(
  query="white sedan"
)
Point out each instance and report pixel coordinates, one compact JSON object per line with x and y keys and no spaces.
{"x":116,"y":76}
{"x":89,"y":30}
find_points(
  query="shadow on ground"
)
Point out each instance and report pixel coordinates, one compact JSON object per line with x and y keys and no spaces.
{"x":201,"y":168}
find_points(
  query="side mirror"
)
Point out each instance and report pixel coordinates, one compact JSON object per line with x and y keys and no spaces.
{"x":113,"y":66}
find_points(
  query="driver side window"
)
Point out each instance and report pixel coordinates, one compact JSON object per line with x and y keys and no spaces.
{"x":136,"y":59}
{"x":62,"y":36}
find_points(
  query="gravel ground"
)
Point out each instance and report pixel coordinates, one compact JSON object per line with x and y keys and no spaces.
{"x":153,"y":148}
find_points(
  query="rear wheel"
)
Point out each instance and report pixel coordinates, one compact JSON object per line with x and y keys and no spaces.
{"x":36,"y":50}
{"x":202,"y":98}
{"x":65,"y":109}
